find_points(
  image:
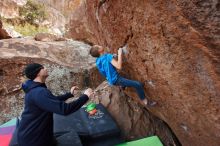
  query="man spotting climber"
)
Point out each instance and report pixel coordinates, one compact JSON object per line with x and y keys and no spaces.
{"x":36,"y":125}
{"x":107,"y":65}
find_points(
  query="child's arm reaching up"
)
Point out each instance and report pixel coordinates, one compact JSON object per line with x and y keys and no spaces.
{"x":118,"y":63}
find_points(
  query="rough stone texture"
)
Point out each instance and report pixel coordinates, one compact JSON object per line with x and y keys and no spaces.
{"x":75,"y":18}
{"x":3,"y":32}
{"x":46,"y":37}
{"x":60,"y":11}
{"x":11,"y":32}
{"x":9,"y":8}
{"x":78,"y":26}
{"x":55,"y":21}
{"x":134,"y":120}
{"x":174,"y":47}
{"x":66,"y":7}
{"x":68,"y":64}
{"x":74,"y":10}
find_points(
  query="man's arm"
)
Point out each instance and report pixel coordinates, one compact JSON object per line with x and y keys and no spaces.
{"x":46,"y":101}
{"x":68,"y":94}
{"x":118,"y":63}
{"x":64,"y":96}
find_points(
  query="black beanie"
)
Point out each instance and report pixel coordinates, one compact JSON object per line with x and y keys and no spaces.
{"x":32,"y":70}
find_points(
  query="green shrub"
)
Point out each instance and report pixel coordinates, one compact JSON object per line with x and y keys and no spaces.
{"x":29,"y":29}
{"x":26,"y":25}
{"x":33,"y":12}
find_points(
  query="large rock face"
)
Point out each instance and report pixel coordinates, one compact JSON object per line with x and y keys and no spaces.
{"x":75,"y":18}
{"x":134,"y":120}
{"x":78,"y":26}
{"x":9,"y":8}
{"x":55,"y":20}
{"x":68,"y":64}
{"x":3,"y":33}
{"x":174,"y":47}
{"x":66,"y":7}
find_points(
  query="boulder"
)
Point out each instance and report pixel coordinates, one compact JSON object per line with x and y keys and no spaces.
{"x":3,"y":33}
{"x":10,"y":8}
{"x":46,"y":37}
{"x":68,"y":64}
{"x":134,"y":120}
{"x":174,"y":49}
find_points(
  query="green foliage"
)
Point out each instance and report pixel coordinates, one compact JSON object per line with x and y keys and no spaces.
{"x":33,"y":12}
{"x":29,"y":29}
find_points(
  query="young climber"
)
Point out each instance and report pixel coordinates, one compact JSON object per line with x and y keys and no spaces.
{"x":107,"y":65}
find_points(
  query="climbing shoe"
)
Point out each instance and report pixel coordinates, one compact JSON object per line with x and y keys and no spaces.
{"x":149,"y":103}
{"x":122,"y":87}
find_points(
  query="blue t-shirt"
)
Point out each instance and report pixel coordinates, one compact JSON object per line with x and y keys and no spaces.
{"x":105,"y":67}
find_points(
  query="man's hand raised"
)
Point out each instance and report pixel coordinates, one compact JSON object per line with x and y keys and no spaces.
{"x":89,"y":92}
{"x":74,"y":90}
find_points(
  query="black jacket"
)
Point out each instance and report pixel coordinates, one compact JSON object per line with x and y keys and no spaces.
{"x":36,"y":125}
